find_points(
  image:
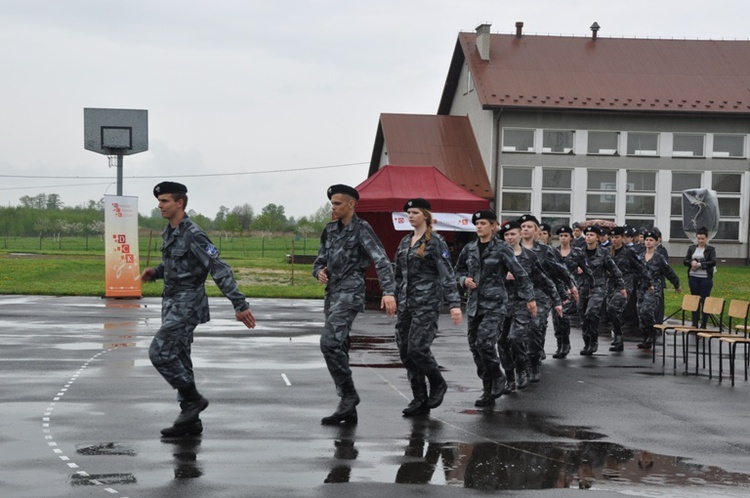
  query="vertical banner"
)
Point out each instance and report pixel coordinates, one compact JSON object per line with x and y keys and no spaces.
{"x":122,"y":275}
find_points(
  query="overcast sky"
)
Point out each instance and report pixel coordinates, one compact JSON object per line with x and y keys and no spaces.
{"x":258,"y":87}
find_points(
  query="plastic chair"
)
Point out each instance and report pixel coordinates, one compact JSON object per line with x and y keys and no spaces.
{"x":690,"y":304}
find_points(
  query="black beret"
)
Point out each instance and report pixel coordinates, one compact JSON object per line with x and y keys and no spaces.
{"x":651,"y":234}
{"x":656,"y":231}
{"x":576,"y":225}
{"x":485,"y":214}
{"x":342,"y":189}
{"x":591,"y":229}
{"x":528,"y":217}
{"x":545,"y":226}
{"x":603,"y":231}
{"x":631,"y":231}
{"x":417,"y":203}
{"x":169,"y":188}
{"x":508,"y":225}
{"x":564,"y":229}
{"x":617,"y":231}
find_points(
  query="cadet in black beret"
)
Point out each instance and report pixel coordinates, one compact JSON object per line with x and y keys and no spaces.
{"x":342,"y":189}
{"x":617,"y":231}
{"x":545,"y":233}
{"x":417,"y":203}
{"x":485,"y":214}
{"x":592,"y":229}
{"x":576,"y":225}
{"x":528,"y":217}
{"x":169,"y":188}
{"x":564,"y":229}
{"x":650,"y":234}
{"x":508,"y":225}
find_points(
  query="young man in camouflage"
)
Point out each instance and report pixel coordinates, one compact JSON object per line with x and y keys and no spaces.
{"x":188,"y":256}
{"x":482,"y":268}
{"x":347,"y":245}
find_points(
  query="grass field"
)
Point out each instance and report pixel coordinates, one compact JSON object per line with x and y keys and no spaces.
{"x":74,"y":266}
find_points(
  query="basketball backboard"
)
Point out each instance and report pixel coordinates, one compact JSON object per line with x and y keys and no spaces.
{"x":115,"y":131}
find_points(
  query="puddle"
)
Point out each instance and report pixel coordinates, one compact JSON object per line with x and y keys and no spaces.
{"x":105,"y":449}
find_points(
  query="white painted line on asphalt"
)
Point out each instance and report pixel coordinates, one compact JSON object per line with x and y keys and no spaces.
{"x":286,"y":379}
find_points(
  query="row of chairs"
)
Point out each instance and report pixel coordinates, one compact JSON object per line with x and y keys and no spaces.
{"x":735,"y":333}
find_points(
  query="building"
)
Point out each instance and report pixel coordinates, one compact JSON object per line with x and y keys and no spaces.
{"x":574,"y":128}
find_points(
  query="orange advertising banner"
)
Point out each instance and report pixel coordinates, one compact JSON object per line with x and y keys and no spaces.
{"x":123,"y":275}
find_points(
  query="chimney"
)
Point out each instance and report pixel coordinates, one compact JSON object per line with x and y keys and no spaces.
{"x":519,"y":29}
{"x":483,"y":41}
{"x":594,"y":29}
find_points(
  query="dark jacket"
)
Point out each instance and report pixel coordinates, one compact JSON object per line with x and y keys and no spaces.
{"x":707,"y":263}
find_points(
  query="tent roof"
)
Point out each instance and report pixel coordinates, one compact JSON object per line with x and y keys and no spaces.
{"x":390,"y":187}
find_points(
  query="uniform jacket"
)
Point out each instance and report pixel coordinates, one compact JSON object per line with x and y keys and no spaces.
{"x":574,"y":260}
{"x":188,"y":256}
{"x":545,"y":290}
{"x":632,"y":267}
{"x":554,"y":267}
{"x":709,"y":259}
{"x":424,"y":283}
{"x":660,"y":271}
{"x":604,"y":269}
{"x":346,"y":251}
{"x":489,"y":272}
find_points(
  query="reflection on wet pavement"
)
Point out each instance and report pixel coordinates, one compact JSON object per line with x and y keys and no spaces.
{"x":185,"y":452}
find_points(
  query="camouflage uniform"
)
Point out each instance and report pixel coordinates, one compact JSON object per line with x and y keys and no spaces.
{"x":487,"y":304}
{"x":346,"y":251}
{"x":422,"y":285}
{"x":649,"y":303}
{"x":633,"y":271}
{"x":574,"y":260}
{"x":603,"y":269}
{"x":188,"y":256}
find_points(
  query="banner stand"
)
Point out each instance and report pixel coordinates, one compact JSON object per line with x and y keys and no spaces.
{"x":122,"y":265}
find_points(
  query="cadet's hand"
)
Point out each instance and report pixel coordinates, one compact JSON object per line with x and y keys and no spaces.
{"x":456,"y":315}
{"x":651,"y":289}
{"x":246,"y":317}
{"x":558,"y":310}
{"x":624,"y":293}
{"x":148,"y":275}
{"x":323,"y":276}
{"x":389,"y":304}
{"x":678,"y":290}
{"x":531,"y":306}
{"x":509,"y":276}
{"x":574,"y":293}
{"x":469,"y":283}
{"x":580,"y":270}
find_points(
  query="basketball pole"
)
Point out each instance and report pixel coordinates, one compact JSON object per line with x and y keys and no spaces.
{"x":119,"y":174}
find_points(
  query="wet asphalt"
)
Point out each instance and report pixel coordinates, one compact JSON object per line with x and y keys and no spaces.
{"x":82,"y":408}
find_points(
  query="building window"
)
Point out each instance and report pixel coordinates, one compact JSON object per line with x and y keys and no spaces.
{"x":602,"y":193}
{"x":688,"y":145}
{"x":604,"y":143}
{"x":728,"y":187}
{"x":515,"y":140}
{"x":556,"y":195}
{"x":640,"y":199}
{"x":556,"y":179}
{"x":557,"y":141}
{"x":729,"y":146}
{"x":680,"y":181}
{"x":516,"y":192}
{"x":469,"y":82}
{"x":643,"y":144}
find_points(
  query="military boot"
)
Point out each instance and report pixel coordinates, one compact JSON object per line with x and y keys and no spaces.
{"x":647,"y":341}
{"x":536,"y":370}
{"x":438,"y":388}
{"x":523,"y":374}
{"x":566,"y":347}
{"x":558,"y":352}
{"x":498,"y":386}
{"x":617,"y":344}
{"x":190,"y":429}
{"x":346,"y":412}
{"x":418,"y":405}
{"x":594,"y":344}
{"x":586,"y":351}
{"x":486,"y":398}
{"x":192,"y":405}
{"x":510,"y":382}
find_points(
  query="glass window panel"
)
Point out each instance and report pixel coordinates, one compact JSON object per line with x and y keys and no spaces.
{"x":726,"y":182}
{"x":600,"y":204}
{"x":643,"y":144}
{"x":603,"y":142}
{"x":676,"y":205}
{"x":560,"y":141}
{"x":640,"y":222}
{"x":640,"y":204}
{"x":685,"y":181}
{"x":687,"y":145}
{"x":556,"y":203}
{"x":518,"y":140}
{"x":641,"y":181}
{"x":602,"y":180}
{"x":729,"y":145}
{"x":728,"y":230}
{"x":517,"y":177}
{"x":729,"y":207}
{"x":556,"y":178}
{"x":676,"y":231}
{"x":516,"y":201}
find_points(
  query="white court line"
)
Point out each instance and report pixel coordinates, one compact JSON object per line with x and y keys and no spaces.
{"x":286,"y":379}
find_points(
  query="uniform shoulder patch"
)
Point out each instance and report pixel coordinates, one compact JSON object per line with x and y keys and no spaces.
{"x":211,"y":250}
{"x":446,"y":254}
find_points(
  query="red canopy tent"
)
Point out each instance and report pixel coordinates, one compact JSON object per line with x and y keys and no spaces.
{"x":388,"y":189}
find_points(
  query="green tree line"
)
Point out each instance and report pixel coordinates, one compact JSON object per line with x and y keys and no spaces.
{"x":46,"y":215}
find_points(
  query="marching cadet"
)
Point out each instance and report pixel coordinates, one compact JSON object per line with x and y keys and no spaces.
{"x":519,"y":328}
{"x":579,"y":240}
{"x":545,"y":233}
{"x":561,"y":277}
{"x":347,"y":245}
{"x":481,"y":269}
{"x":188,"y":256}
{"x":603,"y":268}
{"x":575,"y":261}
{"x":424,"y":280}
{"x":604,"y":237}
{"x":633,"y":270}
{"x":651,"y":299}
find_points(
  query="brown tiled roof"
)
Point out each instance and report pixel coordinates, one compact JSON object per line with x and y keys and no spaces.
{"x":622,"y":74}
{"x":445,"y":142}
